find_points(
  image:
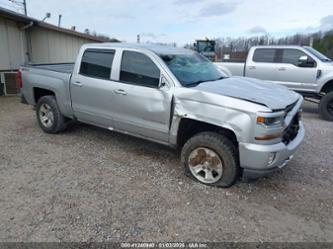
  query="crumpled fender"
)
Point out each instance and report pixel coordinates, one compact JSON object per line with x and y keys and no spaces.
{"x":233,"y":114}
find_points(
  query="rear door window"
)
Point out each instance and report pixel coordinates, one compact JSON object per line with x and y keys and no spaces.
{"x":97,"y":63}
{"x":139,"y":69}
{"x":264,"y":55}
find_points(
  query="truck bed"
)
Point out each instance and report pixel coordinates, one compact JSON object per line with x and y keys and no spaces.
{"x":231,"y":68}
{"x":51,"y":77}
{"x":57,"y":67}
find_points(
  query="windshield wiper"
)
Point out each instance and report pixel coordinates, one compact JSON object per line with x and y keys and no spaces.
{"x":195,"y":83}
{"x":219,"y":78}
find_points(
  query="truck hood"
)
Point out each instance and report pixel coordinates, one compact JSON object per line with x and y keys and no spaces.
{"x":328,"y":64}
{"x":273,"y":96}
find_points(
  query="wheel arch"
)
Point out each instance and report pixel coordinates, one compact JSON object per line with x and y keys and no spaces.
{"x":327,"y":87}
{"x":40,"y":92}
{"x":188,"y":127}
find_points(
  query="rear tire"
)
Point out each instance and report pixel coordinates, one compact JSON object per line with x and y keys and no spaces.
{"x":326,"y":106}
{"x":210,"y":158}
{"x":49,"y":116}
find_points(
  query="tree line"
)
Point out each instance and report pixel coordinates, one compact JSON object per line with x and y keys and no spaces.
{"x":237,"y":48}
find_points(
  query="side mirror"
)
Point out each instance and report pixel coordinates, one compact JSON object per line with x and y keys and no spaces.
{"x":303,"y":58}
{"x":305,"y":61}
{"x":164,"y":82}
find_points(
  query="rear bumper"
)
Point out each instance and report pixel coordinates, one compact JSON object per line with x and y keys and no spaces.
{"x":254,"y":158}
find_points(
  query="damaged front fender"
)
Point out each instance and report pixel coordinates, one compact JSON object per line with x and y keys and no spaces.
{"x":225,"y":112}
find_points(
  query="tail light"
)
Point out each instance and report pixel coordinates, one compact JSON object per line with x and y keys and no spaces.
{"x":19,"y":78}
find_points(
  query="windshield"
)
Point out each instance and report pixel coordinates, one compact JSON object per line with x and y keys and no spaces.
{"x":317,"y":54}
{"x":191,"y":69}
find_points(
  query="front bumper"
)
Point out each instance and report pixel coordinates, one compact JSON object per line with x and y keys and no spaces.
{"x":254,"y":157}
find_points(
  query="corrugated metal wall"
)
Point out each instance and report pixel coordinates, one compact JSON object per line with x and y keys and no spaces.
{"x":47,"y":46}
{"x":12,"y":45}
{"x":50,"y":46}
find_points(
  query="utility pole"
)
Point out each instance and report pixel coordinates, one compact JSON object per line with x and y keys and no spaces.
{"x":25,"y":7}
{"x":24,"y":3}
{"x":311,"y":41}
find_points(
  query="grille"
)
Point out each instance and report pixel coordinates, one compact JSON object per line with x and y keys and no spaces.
{"x":291,"y":131}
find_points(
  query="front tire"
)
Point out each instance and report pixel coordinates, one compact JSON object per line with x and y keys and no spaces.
{"x":326,"y":106}
{"x":210,"y":158}
{"x":48,"y":115}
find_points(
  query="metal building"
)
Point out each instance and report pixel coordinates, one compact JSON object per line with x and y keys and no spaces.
{"x":27,"y":40}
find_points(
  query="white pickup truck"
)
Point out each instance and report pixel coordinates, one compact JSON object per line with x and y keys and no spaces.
{"x":300,"y":68}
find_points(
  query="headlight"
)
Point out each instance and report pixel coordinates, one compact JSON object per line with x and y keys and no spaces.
{"x":269,"y":126}
{"x":270,"y":121}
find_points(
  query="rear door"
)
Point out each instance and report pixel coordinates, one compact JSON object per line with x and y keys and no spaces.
{"x":292,"y":73}
{"x":141,"y":106}
{"x":262,"y":65}
{"x":92,"y":89}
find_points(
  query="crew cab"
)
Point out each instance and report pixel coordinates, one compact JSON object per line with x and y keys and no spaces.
{"x":300,"y":68}
{"x":224,"y":127}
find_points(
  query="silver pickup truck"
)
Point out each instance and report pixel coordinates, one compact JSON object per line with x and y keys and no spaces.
{"x":224,"y":127}
{"x":302,"y":69}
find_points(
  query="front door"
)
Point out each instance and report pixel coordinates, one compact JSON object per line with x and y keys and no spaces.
{"x":141,"y":107}
{"x":296,"y":75}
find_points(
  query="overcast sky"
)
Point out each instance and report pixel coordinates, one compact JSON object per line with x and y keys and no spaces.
{"x":183,"y":21}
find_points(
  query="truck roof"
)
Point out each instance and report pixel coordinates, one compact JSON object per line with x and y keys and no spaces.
{"x":279,"y":46}
{"x":158,"y":49}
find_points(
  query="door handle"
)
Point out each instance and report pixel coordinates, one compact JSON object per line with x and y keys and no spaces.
{"x":120,"y":91}
{"x":252,"y":67}
{"x":282,"y":69}
{"x":77,"y":83}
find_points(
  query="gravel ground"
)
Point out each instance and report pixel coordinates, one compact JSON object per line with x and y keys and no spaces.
{"x":90,"y":184}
